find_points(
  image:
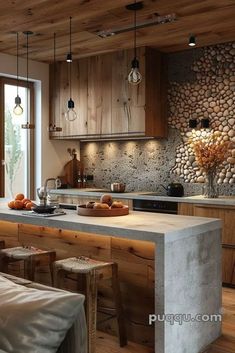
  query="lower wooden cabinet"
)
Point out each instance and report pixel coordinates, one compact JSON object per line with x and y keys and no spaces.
{"x":227,"y":215}
{"x":228,"y":267}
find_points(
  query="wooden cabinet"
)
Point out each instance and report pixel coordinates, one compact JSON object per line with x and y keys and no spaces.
{"x":106,"y":104}
{"x":60,"y":94}
{"x":128,"y":101}
{"x":227,"y":215}
{"x":99,"y":94}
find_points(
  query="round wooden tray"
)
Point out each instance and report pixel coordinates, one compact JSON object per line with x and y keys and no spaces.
{"x":113,"y":212}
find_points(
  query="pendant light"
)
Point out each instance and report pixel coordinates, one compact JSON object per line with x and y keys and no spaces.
{"x":27,"y":125}
{"x":192,"y":40}
{"x":52,"y":126}
{"x":70,"y":115}
{"x":134,"y":76}
{"x":18,"y":110}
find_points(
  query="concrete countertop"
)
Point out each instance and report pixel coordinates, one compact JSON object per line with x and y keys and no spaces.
{"x":137,"y":225}
{"x":143,"y":195}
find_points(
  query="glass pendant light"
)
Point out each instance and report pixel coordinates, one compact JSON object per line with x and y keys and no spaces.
{"x":70,"y":114}
{"x":52,"y":126}
{"x":134,"y":76}
{"x":28,"y":125}
{"x":18,"y":110}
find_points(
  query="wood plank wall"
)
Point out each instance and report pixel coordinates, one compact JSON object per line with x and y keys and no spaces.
{"x":136,"y":271}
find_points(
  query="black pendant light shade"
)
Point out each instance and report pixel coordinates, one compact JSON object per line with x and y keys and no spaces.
{"x":192,"y":41}
{"x":69,"y":58}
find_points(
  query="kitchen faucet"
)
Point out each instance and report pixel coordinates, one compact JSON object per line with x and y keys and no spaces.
{"x":43,"y":191}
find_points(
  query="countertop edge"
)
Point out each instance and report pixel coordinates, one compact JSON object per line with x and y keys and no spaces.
{"x":198,"y":199}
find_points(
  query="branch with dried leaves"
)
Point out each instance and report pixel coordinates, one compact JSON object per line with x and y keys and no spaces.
{"x":211,"y":150}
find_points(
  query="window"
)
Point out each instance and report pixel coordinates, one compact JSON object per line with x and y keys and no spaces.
{"x":16,"y":144}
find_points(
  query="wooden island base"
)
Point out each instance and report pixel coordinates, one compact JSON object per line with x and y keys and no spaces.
{"x":136,"y":271}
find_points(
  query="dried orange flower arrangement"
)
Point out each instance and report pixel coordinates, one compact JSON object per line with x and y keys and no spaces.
{"x":211,"y":150}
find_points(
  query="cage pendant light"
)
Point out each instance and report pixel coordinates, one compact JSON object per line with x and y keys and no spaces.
{"x":52,"y":126}
{"x":28,"y":125}
{"x":70,"y":114}
{"x":134,"y":76}
{"x":18,"y":110}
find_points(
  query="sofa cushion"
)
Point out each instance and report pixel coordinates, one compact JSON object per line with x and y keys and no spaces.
{"x":33,"y":320}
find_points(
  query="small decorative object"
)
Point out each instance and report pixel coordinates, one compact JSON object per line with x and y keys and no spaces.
{"x":211,"y":150}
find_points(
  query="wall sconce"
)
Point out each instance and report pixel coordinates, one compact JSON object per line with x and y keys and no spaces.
{"x":204,"y":122}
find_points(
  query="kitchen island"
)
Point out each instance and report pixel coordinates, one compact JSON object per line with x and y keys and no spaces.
{"x":187,"y":276}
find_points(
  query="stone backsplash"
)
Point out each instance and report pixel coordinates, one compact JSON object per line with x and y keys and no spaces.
{"x":201,"y":84}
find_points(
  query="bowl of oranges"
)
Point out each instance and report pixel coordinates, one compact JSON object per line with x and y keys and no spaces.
{"x":21,"y":203}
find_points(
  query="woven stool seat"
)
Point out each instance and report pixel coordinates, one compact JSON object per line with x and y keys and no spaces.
{"x":31,"y":256}
{"x":80,"y":264}
{"x":21,"y":252}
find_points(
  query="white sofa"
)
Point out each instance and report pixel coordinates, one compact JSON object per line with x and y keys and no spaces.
{"x":40,"y":319}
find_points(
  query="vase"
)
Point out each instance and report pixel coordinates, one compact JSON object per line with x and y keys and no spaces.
{"x":211,"y":188}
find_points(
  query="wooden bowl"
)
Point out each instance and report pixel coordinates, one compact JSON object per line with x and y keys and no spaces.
{"x":82,"y":210}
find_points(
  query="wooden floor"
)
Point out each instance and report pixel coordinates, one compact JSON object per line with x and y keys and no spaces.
{"x":225,"y":344}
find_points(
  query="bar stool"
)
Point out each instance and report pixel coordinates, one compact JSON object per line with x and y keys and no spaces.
{"x":32,"y":258}
{"x":89,"y":267}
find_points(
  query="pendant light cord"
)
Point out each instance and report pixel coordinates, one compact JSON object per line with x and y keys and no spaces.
{"x":135,"y":31}
{"x":27,"y":73}
{"x":54,"y":76}
{"x":70,"y":49}
{"x":17,"y":61}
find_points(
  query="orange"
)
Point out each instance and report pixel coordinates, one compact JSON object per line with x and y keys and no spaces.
{"x":18,"y":205}
{"x":19,"y":197}
{"x":29,"y":205}
{"x":11,"y":204}
{"x":25,"y":201}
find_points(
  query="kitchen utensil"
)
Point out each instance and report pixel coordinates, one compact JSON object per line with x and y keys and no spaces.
{"x":82,"y":210}
{"x":72,"y":170}
{"x":174,"y":189}
{"x":43,"y":209}
{"x":117,"y":187}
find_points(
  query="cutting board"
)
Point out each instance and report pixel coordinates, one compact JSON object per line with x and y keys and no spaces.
{"x":71,"y":171}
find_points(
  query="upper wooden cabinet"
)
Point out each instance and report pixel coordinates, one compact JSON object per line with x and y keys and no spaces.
{"x":107,"y":105}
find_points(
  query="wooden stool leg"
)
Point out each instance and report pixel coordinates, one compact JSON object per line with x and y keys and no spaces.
{"x":52,"y":258}
{"x":91,"y":309}
{"x":3,"y":264}
{"x":59,"y":275}
{"x":29,"y":269}
{"x":119,"y":307}
{"x":2,"y":244}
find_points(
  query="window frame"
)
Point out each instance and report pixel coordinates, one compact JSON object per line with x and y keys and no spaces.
{"x":31,"y":151}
